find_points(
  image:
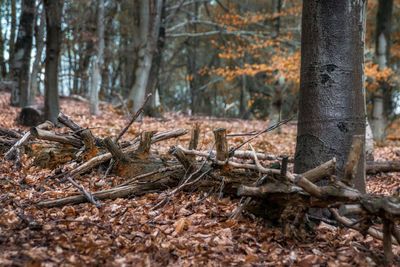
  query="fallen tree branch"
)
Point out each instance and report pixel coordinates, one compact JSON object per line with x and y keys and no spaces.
{"x":93,"y":162}
{"x":241,"y":154}
{"x":350,"y":224}
{"x":87,"y":195}
{"x":374,"y":167}
{"x":13,"y":153}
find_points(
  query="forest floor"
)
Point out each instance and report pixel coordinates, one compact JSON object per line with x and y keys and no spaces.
{"x":192,"y":230}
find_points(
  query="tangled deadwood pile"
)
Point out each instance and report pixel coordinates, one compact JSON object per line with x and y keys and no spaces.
{"x":274,"y":193}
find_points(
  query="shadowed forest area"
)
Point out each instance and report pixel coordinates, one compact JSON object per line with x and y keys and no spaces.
{"x":199,"y":133}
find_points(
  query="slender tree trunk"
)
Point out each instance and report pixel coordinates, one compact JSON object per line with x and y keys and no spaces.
{"x":13,"y":30}
{"x":383,"y":97}
{"x":53,"y":9}
{"x":244,"y":99}
{"x":3,"y":68}
{"x":276,"y":102}
{"x":192,"y":63}
{"x":331,"y":97}
{"x":154,"y":80}
{"x":37,"y":63}
{"x":277,"y":20}
{"x":383,"y":32}
{"x":22,"y":55}
{"x":94,"y":87}
{"x":150,"y":18}
{"x":97,"y":62}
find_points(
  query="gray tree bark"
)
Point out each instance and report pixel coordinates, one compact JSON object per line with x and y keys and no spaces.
{"x":97,"y":62}
{"x":149,"y":27}
{"x":3,"y":68}
{"x":22,"y":56}
{"x":53,"y":9}
{"x":13,"y":30}
{"x":39,"y":40}
{"x":383,"y":97}
{"x":332,"y":94}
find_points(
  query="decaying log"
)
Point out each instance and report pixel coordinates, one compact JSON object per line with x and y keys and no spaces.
{"x":76,"y":128}
{"x":374,"y":167}
{"x":93,"y":162}
{"x":50,"y":136}
{"x":113,"y":193}
{"x":14,"y":151}
{"x":156,"y":181}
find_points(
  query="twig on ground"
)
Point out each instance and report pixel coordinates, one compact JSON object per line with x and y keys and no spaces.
{"x":87,"y":195}
{"x":138,"y":112}
{"x":131,"y":180}
{"x":269,"y":129}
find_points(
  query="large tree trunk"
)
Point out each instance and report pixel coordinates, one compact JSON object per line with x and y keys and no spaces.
{"x":37,"y":63}
{"x":331,"y":98}
{"x":150,"y":20}
{"x":383,"y":97}
{"x":22,"y":55}
{"x":53,"y":9}
{"x":97,"y":62}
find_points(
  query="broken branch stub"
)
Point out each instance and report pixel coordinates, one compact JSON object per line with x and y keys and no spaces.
{"x":352,"y":160}
{"x":221,"y":144}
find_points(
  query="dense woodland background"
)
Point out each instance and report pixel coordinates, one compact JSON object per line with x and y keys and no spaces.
{"x":209,"y":57}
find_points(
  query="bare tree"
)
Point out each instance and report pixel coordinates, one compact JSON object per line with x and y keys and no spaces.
{"x":149,"y":28}
{"x":37,"y":63}
{"x":383,"y":97}
{"x":20,"y":67}
{"x":331,"y":97}
{"x":97,"y":63}
{"x":53,"y":9}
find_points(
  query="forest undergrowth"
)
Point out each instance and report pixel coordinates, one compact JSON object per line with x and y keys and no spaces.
{"x":193,"y":229}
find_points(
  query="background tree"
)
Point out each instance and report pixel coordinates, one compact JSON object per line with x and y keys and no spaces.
{"x":331,"y":96}
{"x":53,"y":9}
{"x":39,"y":46}
{"x":20,"y":67}
{"x":149,"y":19}
{"x":98,"y":61}
{"x":383,"y":97}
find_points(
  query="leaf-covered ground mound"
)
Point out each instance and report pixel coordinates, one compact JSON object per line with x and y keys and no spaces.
{"x":193,"y":229}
